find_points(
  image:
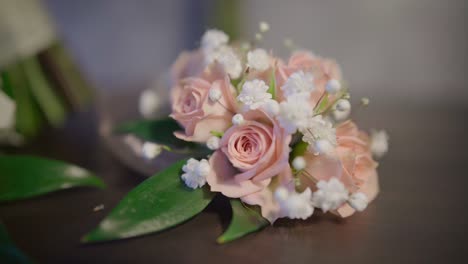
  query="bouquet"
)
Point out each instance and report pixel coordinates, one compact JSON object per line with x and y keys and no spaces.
{"x":277,"y":137}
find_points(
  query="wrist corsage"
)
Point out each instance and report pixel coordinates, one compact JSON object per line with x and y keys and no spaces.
{"x":273,"y":136}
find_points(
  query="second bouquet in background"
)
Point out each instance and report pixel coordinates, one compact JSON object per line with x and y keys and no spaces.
{"x":274,"y":136}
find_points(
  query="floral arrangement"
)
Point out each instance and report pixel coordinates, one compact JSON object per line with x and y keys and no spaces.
{"x":278,"y":137}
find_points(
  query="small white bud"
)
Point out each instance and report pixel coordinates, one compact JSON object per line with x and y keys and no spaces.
{"x":323,"y":146}
{"x":214,"y":94}
{"x":258,"y":36}
{"x":343,"y":105}
{"x":281,"y":194}
{"x":149,"y":103}
{"x":299,"y":163}
{"x":238,"y":119}
{"x":288,"y":43}
{"x":333,"y":86}
{"x":264,"y":26}
{"x":213,"y":143}
{"x":150,"y":150}
{"x":365,"y":101}
{"x":358,"y":201}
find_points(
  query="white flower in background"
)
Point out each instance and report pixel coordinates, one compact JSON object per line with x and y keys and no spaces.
{"x":298,"y":83}
{"x":150,"y":150}
{"x":213,"y":143}
{"x":237,"y":119}
{"x":149,"y":103}
{"x":254,"y":94}
{"x":299,"y":163}
{"x":195,"y":172}
{"x":295,"y":205}
{"x":264,"y":26}
{"x":294,"y":113}
{"x":226,"y":56}
{"x":330,"y":195}
{"x":379,"y":143}
{"x":333,"y":86}
{"x":213,"y":39}
{"x":365,"y":101}
{"x":358,"y":201}
{"x":258,"y":59}
{"x":7,"y":112}
{"x":320,"y":135}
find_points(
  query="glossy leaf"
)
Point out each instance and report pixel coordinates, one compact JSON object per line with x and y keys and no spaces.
{"x":23,"y":177}
{"x":323,"y":104}
{"x":28,"y":117}
{"x":244,"y":221}
{"x":44,"y":94}
{"x":9,"y":253}
{"x":158,"y":203}
{"x":158,"y":131}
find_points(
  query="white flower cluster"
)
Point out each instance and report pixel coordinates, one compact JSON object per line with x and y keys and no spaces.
{"x":254,"y":94}
{"x":330,"y":195}
{"x":215,"y":48}
{"x":258,"y":59}
{"x":195,"y":173}
{"x":295,"y":113}
{"x":320,"y":135}
{"x":295,"y":205}
{"x":299,"y":83}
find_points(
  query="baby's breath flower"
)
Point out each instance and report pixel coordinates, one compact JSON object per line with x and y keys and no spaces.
{"x":195,"y":173}
{"x":379,"y":143}
{"x":213,"y":39}
{"x":258,"y":59}
{"x":298,"y":83}
{"x":294,"y":113}
{"x":333,"y":86}
{"x":237,"y":119}
{"x":299,"y":163}
{"x":295,"y":205}
{"x":213,"y":143}
{"x":264,"y":26}
{"x":254,"y":94}
{"x":320,"y":135}
{"x":214,"y":94}
{"x":358,"y":201}
{"x":330,"y":195}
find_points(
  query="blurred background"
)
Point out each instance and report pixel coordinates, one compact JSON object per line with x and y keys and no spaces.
{"x":411,"y":51}
{"x":410,"y":57}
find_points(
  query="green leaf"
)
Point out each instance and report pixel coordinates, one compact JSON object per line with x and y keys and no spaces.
{"x":162,"y":132}
{"x":158,"y":203}
{"x":45,"y":96}
{"x":9,"y":253}
{"x":272,"y":88}
{"x":244,"y":221}
{"x":322,"y":105}
{"x":28,"y":116}
{"x":26,"y":176}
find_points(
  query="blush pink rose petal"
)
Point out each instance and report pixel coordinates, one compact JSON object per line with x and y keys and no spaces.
{"x":352,"y":164}
{"x":196,"y":113}
{"x":250,"y":155}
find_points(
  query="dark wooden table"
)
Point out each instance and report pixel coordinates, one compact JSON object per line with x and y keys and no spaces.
{"x":419,"y":217}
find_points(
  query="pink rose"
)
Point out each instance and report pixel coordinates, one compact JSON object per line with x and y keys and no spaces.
{"x":322,"y":69}
{"x":352,"y":164}
{"x":197,"y":113}
{"x":191,"y":64}
{"x":250,"y":155}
